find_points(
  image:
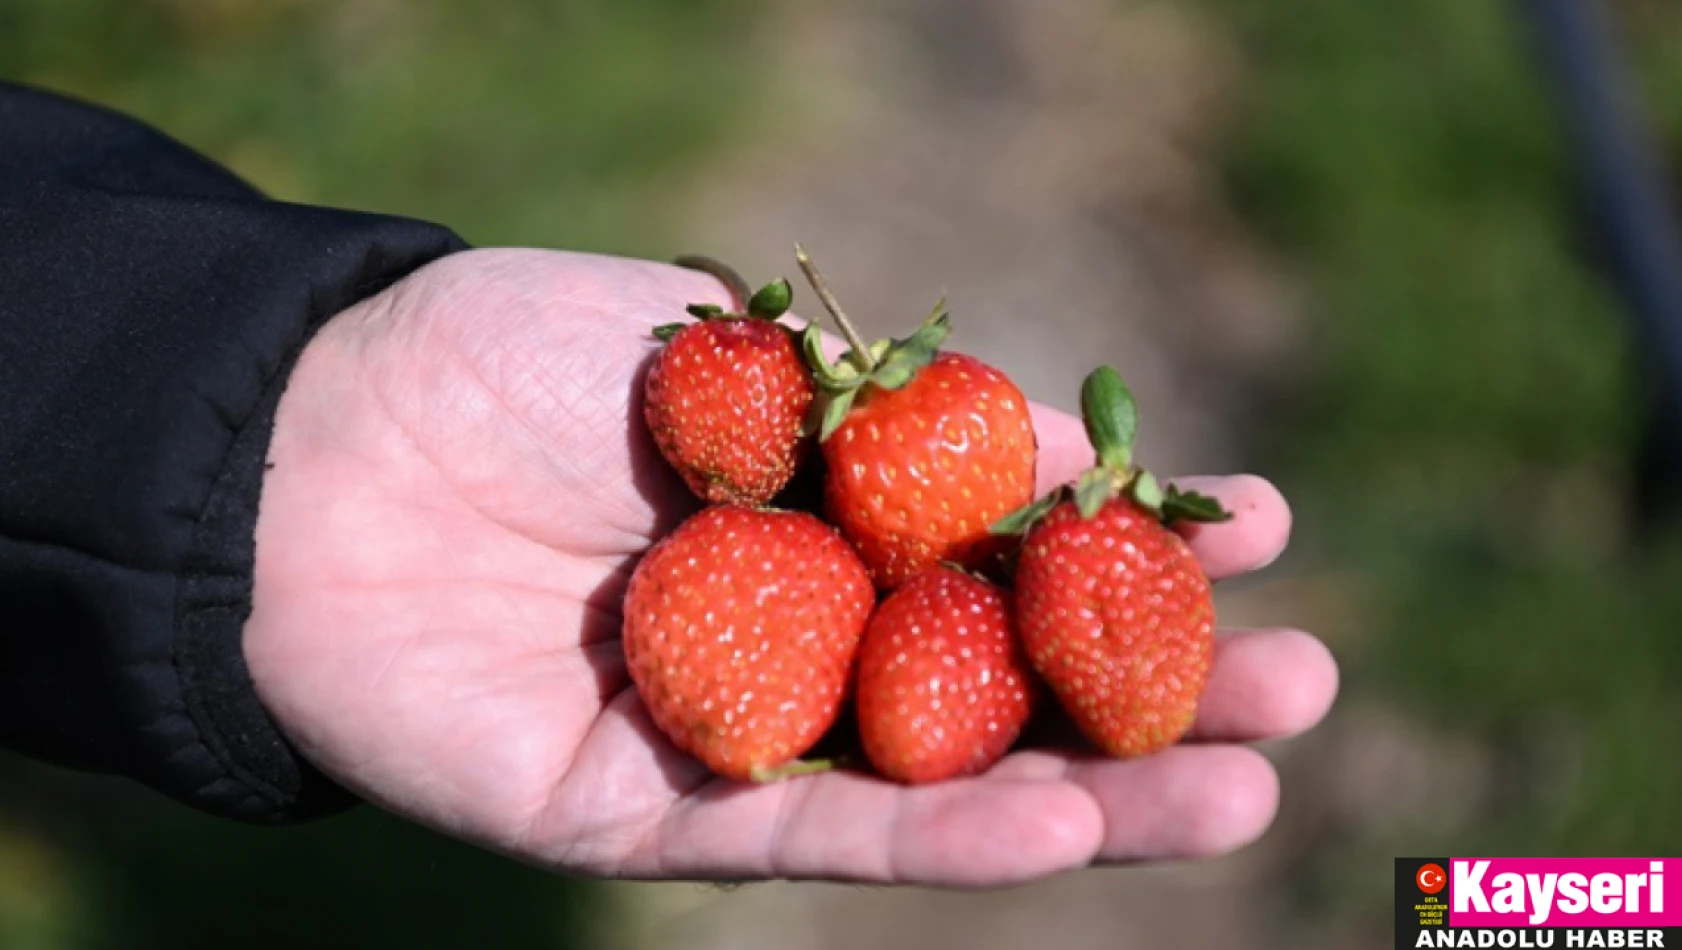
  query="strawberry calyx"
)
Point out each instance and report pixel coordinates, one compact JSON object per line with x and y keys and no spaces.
{"x":1112,"y":425}
{"x":769,"y":302}
{"x":886,"y":364}
{"x":762,"y":775}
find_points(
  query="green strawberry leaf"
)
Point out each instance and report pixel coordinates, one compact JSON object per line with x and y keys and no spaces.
{"x":665,"y":332}
{"x":905,"y":357}
{"x":901,"y":366}
{"x":772,"y":300}
{"x":934,"y":329}
{"x":843,"y":384}
{"x":704,"y":311}
{"x":811,"y":343}
{"x":835,"y":413}
{"x":1111,"y":415}
{"x":1147,"y":491}
{"x":1019,"y":521}
{"x":1180,"y":505}
{"x":812,"y":422}
{"x":761,"y":775}
{"x":831,"y":377}
{"x":1095,"y":488}
{"x":938,"y":312}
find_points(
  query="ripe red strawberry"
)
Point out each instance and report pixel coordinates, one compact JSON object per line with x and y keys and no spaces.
{"x":944,"y":687}
{"x":741,"y":628}
{"x":1117,"y":617}
{"x":727,"y":399}
{"x":924,"y":450}
{"x":1114,"y":610}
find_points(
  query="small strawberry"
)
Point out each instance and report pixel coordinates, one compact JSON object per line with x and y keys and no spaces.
{"x":1115,"y":611}
{"x":944,"y":687}
{"x":727,"y":399}
{"x":741,"y":628}
{"x":924,"y":449}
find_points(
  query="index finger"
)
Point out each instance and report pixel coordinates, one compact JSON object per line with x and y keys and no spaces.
{"x":1064,"y":449}
{"x":1261,"y":519}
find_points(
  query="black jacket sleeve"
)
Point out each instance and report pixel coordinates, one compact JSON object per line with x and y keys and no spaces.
{"x":151,"y":306}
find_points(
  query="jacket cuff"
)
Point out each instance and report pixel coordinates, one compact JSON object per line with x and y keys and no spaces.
{"x":229,"y":756}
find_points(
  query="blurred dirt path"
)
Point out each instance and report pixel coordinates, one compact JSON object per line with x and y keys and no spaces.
{"x":1045,"y":162}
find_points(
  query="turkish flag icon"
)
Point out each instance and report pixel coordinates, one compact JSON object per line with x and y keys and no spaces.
{"x":1431,"y":878}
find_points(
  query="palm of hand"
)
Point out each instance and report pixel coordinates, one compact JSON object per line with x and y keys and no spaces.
{"x":460,"y":490}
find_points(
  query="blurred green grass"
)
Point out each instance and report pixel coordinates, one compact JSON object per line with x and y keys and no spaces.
{"x":1465,"y":437}
{"x":546,"y":122}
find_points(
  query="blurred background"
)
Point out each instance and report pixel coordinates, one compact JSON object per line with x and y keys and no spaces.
{"x":1353,"y":246}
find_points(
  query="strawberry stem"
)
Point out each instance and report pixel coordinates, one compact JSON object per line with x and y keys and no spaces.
{"x":861,"y":351}
{"x":740,"y":292}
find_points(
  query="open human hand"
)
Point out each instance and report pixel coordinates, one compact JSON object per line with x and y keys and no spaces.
{"x":461,"y":486}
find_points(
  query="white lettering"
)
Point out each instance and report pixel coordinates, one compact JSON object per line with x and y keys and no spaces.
{"x":1571,"y":896}
{"x":1573,"y":938}
{"x":1541,"y":896}
{"x":1604,"y":893}
{"x":1633,"y":883}
{"x":1468,"y":887}
{"x":1655,"y":888}
{"x":1509,"y":893}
